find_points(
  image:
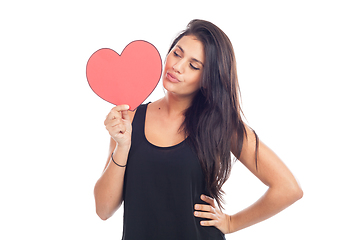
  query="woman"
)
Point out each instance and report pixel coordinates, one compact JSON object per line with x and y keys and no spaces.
{"x":169,"y":159}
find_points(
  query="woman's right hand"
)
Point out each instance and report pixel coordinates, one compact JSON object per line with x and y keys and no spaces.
{"x":118,"y":124}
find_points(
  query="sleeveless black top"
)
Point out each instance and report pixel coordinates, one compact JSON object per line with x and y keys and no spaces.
{"x":161,"y":187}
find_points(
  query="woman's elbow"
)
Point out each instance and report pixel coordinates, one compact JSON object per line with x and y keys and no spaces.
{"x":288,"y":193}
{"x":295,"y":193}
{"x":298,"y":193}
{"x":102,"y":215}
{"x":105,"y":209}
{"x":102,"y":208}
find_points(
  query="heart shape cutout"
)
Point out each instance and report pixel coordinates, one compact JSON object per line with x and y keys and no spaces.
{"x":128,"y":78}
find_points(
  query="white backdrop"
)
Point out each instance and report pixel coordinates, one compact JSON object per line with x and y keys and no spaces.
{"x":298,"y":65}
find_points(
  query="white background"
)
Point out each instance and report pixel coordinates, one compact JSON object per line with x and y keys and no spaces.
{"x":298,"y":66}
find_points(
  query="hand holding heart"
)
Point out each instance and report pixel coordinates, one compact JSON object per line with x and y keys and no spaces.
{"x":118,"y":124}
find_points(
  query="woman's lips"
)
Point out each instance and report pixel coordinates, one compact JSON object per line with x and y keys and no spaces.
{"x":172,"y":78}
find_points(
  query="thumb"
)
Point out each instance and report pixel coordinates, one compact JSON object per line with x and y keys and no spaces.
{"x":125,"y":115}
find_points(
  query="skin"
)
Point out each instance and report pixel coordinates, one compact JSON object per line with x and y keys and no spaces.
{"x":181,"y":79}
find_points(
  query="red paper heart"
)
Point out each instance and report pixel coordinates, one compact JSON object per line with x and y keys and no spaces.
{"x":128,"y":78}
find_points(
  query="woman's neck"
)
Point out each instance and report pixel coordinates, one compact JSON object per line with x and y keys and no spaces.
{"x":175,"y":106}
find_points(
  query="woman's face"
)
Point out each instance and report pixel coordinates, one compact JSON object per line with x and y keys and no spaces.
{"x":184,"y":66}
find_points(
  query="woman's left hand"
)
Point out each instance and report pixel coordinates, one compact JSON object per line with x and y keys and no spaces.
{"x":217,"y":218}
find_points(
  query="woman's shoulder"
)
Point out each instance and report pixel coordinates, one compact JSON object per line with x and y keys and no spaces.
{"x":152,"y":108}
{"x":248,"y":140}
{"x":153,"y":105}
{"x":147,"y":107}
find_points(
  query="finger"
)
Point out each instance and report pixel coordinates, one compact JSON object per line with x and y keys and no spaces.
{"x":113,"y":114}
{"x":115,"y":126}
{"x":116,"y":112}
{"x":203,"y":207}
{"x":119,"y":129}
{"x":208,"y":200}
{"x":112,"y":122}
{"x":116,"y":122}
{"x":125,"y":115}
{"x":207,"y":215}
{"x":120,"y":108}
{"x":208,"y":223}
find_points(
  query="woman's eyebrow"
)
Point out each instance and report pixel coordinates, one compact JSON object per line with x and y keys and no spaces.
{"x":193,"y":59}
{"x":180,"y":48}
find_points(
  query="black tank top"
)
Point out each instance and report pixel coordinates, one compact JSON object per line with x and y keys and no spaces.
{"x":161,"y":187}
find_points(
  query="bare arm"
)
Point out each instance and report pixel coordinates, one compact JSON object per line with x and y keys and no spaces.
{"x":283,"y":188}
{"x":108,"y":190}
{"x":282,"y":192}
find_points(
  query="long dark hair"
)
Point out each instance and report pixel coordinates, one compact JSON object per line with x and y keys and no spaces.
{"x":213,"y":122}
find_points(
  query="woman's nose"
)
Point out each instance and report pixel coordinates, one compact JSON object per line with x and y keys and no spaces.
{"x":179,"y":66}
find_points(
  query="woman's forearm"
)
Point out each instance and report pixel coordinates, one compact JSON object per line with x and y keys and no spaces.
{"x":271,"y":203}
{"x":108,"y":190}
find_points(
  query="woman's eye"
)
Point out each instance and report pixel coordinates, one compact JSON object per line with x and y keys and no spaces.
{"x":193,"y":67}
{"x":176,"y":54}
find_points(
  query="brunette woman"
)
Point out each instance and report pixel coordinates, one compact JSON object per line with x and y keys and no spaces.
{"x":169,"y":159}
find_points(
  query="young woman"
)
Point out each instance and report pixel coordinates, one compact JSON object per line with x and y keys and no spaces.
{"x":169,"y":159}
